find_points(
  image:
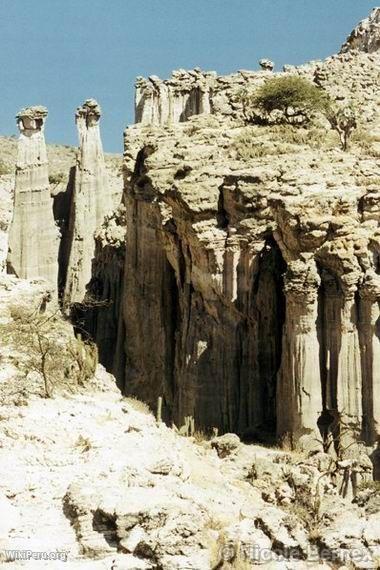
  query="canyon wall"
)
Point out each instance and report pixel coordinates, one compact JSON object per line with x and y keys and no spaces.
{"x":251,"y":283}
{"x":33,"y":235}
{"x":251,"y":291}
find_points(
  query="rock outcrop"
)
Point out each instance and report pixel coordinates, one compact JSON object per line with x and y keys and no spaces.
{"x":103,"y":320}
{"x":251,"y":274}
{"x":99,"y":483}
{"x":33,"y":235}
{"x":91,"y":201}
{"x":366,"y":36}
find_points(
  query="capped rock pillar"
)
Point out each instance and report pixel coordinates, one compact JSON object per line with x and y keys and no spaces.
{"x":91,"y":201}
{"x":33,"y":235}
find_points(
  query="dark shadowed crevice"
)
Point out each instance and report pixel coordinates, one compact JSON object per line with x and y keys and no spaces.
{"x":171,"y":316}
{"x":330,"y":303}
{"x":62,"y":212}
{"x":268,"y":316}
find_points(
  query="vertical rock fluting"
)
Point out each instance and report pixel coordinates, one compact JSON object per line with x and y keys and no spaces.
{"x":33,"y":235}
{"x":105,"y":291}
{"x":369,"y":334}
{"x":246,"y":303}
{"x":349,"y":380}
{"x":203,"y":311}
{"x":159,"y":102}
{"x":299,"y":397}
{"x":91,"y":201}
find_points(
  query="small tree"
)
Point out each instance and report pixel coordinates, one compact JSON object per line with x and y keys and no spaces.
{"x":285,"y":99}
{"x":342,"y":120}
{"x":59,"y":361}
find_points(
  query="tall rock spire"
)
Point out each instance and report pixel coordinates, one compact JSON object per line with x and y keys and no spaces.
{"x":91,"y":201}
{"x":33,"y":236}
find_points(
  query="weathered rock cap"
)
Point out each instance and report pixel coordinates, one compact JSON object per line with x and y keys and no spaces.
{"x":90,"y":111}
{"x":31,"y":118}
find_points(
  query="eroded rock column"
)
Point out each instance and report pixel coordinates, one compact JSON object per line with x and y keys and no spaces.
{"x":91,"y":201}
{"x":349,"y":378}
{"x":33,"y":236}
{"x":369,"y":332}
{"x":299,"y":401}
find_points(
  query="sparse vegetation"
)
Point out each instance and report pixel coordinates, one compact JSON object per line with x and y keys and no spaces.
{"x":343,"y":121}
{"x":5,"y":168}
{"x":83,"y":444}
{"x":306,"y":509}
{"x":286,"y":99}
{"x":365,"y":141}
{"x":260,"y":141}
{"x":57,"y":178}
{"x":60,"y":362}
{"x":370,"y":485}
{"x":138,"y":405}
{"x":248,"y":145}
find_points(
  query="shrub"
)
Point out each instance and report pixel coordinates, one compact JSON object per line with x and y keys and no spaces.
{"x":56,"y":178}
{"x":286,"y":99}
{"x":138,"y":405}
{"x":58,"y":361}
{"x":5,"y":168}
{"x":343,"y":121}
{"x":247,"y":146}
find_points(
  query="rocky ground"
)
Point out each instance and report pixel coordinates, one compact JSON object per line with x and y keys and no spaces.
{"x":88,"y":477}
{"x":91,"y":476}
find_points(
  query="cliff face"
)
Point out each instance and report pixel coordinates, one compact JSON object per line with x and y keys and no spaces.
{"x":366,"y":36}
{"x":33,"y":235}
{"x":251,"y":275}
{"x":91,"y":201}
{"x":103,"y":320}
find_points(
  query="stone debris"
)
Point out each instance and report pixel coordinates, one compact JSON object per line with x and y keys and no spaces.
{"x":238,"y":283}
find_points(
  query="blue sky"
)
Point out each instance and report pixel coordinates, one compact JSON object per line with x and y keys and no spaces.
{"x":60,"y":52}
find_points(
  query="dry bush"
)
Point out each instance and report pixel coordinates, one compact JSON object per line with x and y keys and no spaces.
{"x":59,"y":360}
{"x":365,"y":141}
{"x":5,"y":168}
{"x":57,"y":178}
{"x":138,"y":405}
{"x":257,"y":142}
{"x":248,"y":145}
{"x":83,"y":444}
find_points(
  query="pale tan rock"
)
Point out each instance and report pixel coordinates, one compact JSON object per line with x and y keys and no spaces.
{"x":33,"y":235}
{"x":366,"y":36}
{"x":91,"y":201}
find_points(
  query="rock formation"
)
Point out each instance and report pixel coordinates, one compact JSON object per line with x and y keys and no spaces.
{"x":105,"y":291}
{"x":160,"y":102}
{"x":366,"y":36}
{"x":251,"y":281}
{"x":33,"y":236}
{"x":91,"y":201}
{"x":266,"y":64}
